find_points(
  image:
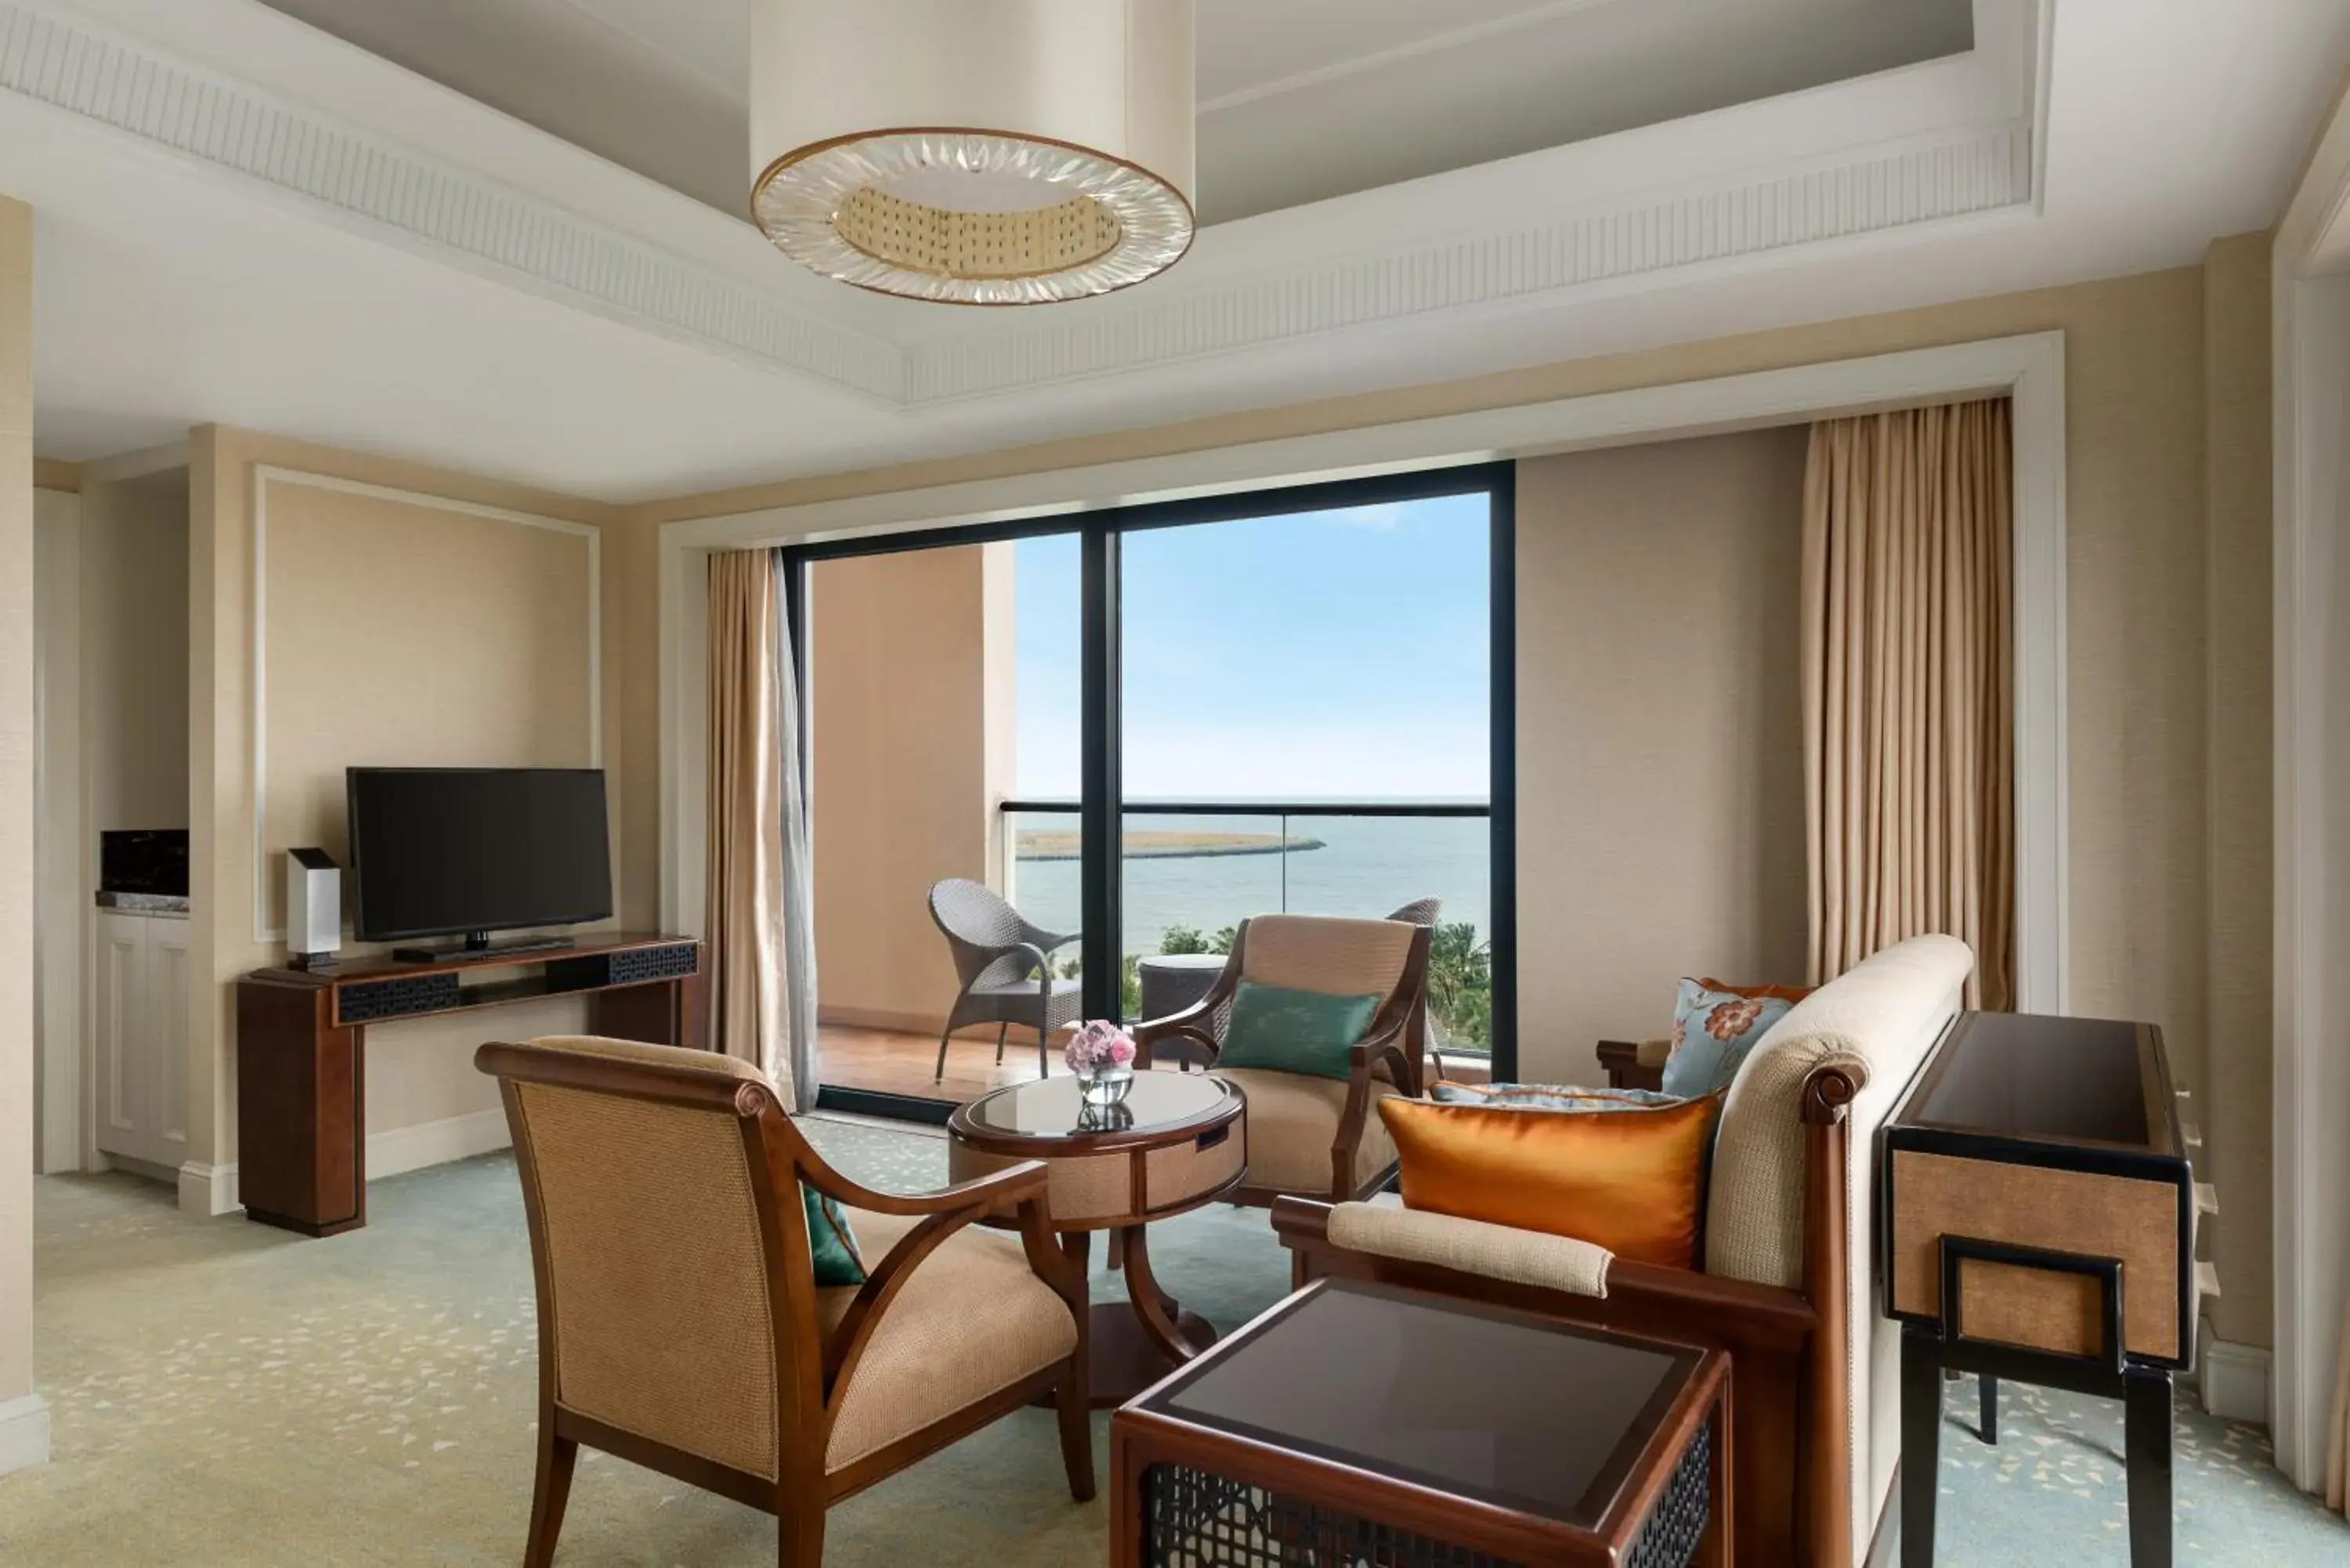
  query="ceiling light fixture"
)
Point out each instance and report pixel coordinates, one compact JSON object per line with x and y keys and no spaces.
{"x":1010,"y":152}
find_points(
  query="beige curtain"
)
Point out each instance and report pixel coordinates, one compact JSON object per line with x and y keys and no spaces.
{"x":1909,"y":710}
{"x":749,"y":795}
{"x":2337,"y":1432}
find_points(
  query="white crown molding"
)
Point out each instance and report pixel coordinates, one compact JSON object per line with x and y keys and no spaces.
{"x":368,"y":180}
{"x":1961,"y":176}
{"x":396,"y":192}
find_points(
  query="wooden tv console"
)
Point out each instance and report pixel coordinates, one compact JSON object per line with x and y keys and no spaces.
{"x":301,"y":1051}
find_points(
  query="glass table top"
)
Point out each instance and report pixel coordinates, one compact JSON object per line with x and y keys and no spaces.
{"x":1052,"y":1107}
{"x":1541,"y":1418}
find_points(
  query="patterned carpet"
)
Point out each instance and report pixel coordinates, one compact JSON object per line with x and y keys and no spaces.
{"x":226,"y":1395}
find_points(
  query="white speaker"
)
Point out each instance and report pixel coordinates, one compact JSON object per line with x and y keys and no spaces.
{"x":314,"y":906}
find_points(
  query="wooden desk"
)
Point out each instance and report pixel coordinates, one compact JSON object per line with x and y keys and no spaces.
{"x":2037,"y":1213}
{"x":301,"y":1051}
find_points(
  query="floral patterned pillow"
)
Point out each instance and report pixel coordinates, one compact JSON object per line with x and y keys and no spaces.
{"x":1546,"y":1097}
{"x":1714,"y":1026}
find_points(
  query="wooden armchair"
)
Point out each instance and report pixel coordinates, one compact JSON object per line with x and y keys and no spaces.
{"x":1310,"y":1135}
{"x":680,"y":1326}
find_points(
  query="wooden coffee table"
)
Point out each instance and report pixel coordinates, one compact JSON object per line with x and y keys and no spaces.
{"x":1177,"y":1141}
{"x":1363,"y":1423}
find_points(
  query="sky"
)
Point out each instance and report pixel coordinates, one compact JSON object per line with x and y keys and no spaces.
{"x":1313,"y":655}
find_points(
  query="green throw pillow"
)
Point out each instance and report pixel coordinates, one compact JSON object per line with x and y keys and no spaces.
{"x":1284,"y":1031}
{"x":830,"y":1243}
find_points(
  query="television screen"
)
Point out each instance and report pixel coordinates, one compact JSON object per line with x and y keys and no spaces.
{"x":440,"y":850}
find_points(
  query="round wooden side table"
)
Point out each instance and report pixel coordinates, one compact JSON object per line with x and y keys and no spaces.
{"x":1177,"y":1142}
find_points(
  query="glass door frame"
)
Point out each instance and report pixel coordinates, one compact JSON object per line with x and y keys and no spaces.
{"x":1102,"y":797}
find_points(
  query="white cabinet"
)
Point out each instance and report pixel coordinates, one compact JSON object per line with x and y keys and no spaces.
{"x":140,"y":1020}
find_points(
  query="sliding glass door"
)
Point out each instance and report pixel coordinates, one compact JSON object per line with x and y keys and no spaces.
{"x":1306,"y":726}
{"x":1165,"y":720}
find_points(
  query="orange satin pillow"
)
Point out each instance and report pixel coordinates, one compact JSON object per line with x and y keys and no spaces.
{"x":1632,"y":1182}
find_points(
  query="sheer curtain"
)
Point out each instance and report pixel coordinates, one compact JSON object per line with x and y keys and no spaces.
{"x":1909,"y":708}
{"x":759,"y":950}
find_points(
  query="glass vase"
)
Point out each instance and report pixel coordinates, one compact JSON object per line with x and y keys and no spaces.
{"x":1106,"y":1084}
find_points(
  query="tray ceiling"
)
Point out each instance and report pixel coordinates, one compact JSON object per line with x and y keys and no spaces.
{"x":1299,"y":99}
{"x":244,"y":219}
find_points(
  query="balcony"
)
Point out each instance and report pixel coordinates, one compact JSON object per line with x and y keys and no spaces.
{"x":1192,"y":872}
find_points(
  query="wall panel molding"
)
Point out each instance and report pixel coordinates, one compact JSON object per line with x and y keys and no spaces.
{"x":266,"y":475}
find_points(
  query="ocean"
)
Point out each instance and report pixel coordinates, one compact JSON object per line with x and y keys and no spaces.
{"x":1364,"y":867}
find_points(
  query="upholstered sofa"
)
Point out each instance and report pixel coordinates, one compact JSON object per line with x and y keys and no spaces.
{"x":1786,"y":1284}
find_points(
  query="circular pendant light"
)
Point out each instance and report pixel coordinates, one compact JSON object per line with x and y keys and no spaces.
{"x":975,"y":151}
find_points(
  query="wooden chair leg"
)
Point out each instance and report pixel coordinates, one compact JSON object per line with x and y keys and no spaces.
{"x":556,"y":1459}
{"x":799,"y":1537}
{"x":945,"y":1034}
{"x":1002,"y":1030}
{"x":1076,"y":1429}
{"x":1043,"y":1064}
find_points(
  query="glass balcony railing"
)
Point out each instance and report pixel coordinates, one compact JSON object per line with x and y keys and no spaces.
{"x":1194,"y":870}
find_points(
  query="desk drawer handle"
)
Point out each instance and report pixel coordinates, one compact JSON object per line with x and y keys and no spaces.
{"x":1212,"y":1138}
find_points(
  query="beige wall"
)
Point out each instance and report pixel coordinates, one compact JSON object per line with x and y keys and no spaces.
{"x":401,"y":633}
{"x":2148,"y":651}
{"x":17,"y":876}
{"x":396,"y":630}
{"x":1661,"y":772}
{"x":903,"y":738}
{"x":2240,"y":744}
{"x":134,"y":650}
{"x":63,"y":852}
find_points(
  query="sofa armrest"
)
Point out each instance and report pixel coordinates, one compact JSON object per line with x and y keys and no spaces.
{"x":1470,"y":1247}
{"x":1635,"y":1065}
{"x":1642,"y":1298}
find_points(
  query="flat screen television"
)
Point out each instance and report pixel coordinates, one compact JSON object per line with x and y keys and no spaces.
{"x":442,"y":851}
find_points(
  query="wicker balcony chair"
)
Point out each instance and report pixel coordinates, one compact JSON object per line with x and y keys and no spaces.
{"x":679,"y":1326}
{"x":1004,"y":965}
{"x":1420,"y":912}
{"x":1309,"y":1136}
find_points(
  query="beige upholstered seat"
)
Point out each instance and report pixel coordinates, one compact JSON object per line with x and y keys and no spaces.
{"x":973,"y":1319}
{"x":680,"y":1326}
{"x":1293,"y":1124}
{"x":1312,"y":1136}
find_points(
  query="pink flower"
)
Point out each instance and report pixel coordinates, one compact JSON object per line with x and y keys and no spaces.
{"x":1098,"y":1044}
